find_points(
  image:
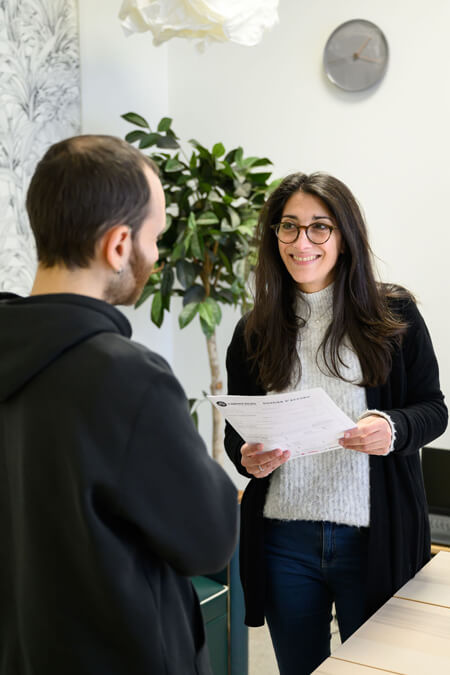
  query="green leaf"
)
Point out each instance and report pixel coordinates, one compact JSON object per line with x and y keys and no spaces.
{"x":228,"y":199}
{"x":247,"y":228}
{"x":194,"y":294}
{"x":146,"y":293}
{"x":226,"y":296}
{"x":274,"y":184}
{"x":173,"y":164}
{"x":196,"y":246}
{"x":157,"y":312}
{"x":186,"y":273}
{"x":215,"y":309}
{"x":249,"y":162}
{"x":218,"y":150}
{"x":244,"y":246}
{"x":207,"y":218}
{"x":136,"y":119}
{"x":259,"y":178}
{"x":234,"y":217}
{"x":154,"y":278}
{"x":167,"y":280}
{"x":165,"y":124}
{"x":207,"y":330}
{"x":262,"y":161}
{"x":167,"y":142}
{"x":134,"y":136}
{"x":236,"y":288}
{"x":227,"y":170}
{"x":148,"y":140}
{"x":204,"y":187}
{"x":214,"y":196}
{"x":178,"y":251}
{"x":230,"y":156}
{"x":238,"y":156}
{"x":194,"y":417}
{"x":192,"y":223}
{"x":213,"y":233}
{"x":225,"y":261}
{"x":252,"y":221}
{"x":187,"y":314}
{"x":202,"y":151}
{"x":225,"y":226}
{"x":206,"y":313}
{"x":182,"y":179}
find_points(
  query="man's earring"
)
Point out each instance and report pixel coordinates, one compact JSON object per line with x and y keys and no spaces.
{"x":119,"y":271}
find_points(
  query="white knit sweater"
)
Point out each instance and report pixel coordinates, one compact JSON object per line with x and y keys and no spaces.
{"x":334,"y":485}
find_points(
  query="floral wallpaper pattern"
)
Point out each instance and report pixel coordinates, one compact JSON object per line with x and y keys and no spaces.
{"x":39,"y":105}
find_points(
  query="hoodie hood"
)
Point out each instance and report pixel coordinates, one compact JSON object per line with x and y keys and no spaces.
{"x":35,"y":331}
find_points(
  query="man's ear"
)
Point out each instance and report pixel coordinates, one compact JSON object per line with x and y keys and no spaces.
{"x":116,"y":247}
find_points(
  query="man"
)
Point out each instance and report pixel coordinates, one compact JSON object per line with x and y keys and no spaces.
{"x":108,"y":498}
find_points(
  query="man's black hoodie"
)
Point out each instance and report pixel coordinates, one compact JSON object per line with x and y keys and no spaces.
{"x":108,"y":498}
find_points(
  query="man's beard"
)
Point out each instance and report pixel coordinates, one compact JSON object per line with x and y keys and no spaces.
{"x":126,"y":288}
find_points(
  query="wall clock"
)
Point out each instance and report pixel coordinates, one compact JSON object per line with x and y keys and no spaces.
{"x":356,"y":55}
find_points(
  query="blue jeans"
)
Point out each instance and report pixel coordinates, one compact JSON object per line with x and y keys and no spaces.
{"x":310,"y":565}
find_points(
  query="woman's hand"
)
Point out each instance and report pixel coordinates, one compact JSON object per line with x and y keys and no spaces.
{"x":372,"y":435}
{"x":260,"y":464}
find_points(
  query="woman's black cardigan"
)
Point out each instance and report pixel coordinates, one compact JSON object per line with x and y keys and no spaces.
{"x":399,"y":540}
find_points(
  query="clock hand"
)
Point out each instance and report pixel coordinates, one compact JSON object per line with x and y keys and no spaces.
{"x":362,"y":48}
{"x":367,"y":58}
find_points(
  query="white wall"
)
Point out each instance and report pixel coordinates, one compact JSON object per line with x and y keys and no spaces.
{"x":119,"y":75}
{"x":390,"y":145}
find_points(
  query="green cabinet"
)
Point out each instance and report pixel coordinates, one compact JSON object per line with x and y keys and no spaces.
{"x":214,"y":598}
{"x":222,"y":604}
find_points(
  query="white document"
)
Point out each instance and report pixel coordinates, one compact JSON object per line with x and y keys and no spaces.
{"x":304,"y":422}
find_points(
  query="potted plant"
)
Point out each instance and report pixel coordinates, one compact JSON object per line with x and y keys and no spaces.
{"x":207,"y":251}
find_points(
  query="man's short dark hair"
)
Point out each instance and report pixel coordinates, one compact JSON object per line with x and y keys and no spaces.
{"x":82,"y":187}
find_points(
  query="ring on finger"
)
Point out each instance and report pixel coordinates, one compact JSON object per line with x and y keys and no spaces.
{"x":260,"y":468}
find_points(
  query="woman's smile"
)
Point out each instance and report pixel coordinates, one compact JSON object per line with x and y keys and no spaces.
{"x":302,"y":260}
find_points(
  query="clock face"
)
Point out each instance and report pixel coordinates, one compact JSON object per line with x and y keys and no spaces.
{"x":356,"y":55}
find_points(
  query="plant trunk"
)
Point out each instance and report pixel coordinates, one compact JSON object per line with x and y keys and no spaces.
{"x":216,"y":388}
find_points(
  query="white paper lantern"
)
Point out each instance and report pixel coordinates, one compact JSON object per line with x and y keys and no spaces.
{"x":240,"y":21}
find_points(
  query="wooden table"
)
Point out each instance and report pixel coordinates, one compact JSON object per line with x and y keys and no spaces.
{"x":409,"y":635}
{"x":435,"y":548}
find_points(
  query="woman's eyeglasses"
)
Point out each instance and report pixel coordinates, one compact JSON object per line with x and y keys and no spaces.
{"x":317,"y":233}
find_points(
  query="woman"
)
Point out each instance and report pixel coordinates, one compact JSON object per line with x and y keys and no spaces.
{"x":348,"y":526}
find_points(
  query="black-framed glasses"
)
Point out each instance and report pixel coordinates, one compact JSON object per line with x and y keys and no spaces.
{"x":317,"y":233}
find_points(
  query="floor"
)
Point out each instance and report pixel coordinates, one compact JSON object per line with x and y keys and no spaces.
{"x":260,"y":652}
{"x":261,"y":656}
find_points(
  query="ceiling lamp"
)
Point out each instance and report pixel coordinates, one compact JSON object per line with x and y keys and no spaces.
{"x":240,"y":21}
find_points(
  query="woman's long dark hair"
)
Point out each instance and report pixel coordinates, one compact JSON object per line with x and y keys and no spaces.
{"x":361,"y":307}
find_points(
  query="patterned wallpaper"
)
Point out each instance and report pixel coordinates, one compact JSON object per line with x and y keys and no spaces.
{"x":39,"y":104}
